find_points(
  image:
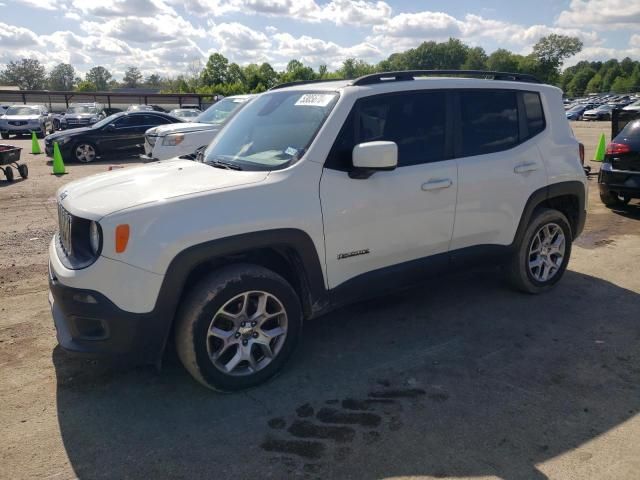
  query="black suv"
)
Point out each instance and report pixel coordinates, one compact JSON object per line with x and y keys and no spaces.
{"x":619,"y":178}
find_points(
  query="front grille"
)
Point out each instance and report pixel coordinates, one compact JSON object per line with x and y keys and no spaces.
{"x":17,"y":123}
{"x":65,"y":224}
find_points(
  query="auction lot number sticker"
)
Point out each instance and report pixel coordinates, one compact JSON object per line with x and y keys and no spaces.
{"x":314,"y":100}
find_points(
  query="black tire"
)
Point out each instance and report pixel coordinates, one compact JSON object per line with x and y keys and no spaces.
{"x":4,"y":135}
{"x":519,"y":271}
{"x":198,"y":310}
{"x":76,"y":158}
{"x":8,"y":173}
{"x":23,"y":170}
{"x":611,"y":199}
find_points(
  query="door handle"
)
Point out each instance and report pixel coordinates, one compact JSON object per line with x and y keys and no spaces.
{"x":437,"y":184}
{"x":526,"y":167}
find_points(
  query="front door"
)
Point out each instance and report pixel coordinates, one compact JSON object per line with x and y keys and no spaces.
{"x":388,"y":224}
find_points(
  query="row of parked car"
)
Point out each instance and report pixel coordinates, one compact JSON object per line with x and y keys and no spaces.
{"x":144,"y":130}
{"x":24,"y":119}
{"x":599,"y":107}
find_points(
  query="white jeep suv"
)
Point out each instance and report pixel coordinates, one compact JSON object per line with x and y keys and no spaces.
{"x":177,"y":139}
{"x":312,"y":196}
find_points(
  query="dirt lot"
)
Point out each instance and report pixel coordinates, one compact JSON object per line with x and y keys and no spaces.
{"x":459,"y":378}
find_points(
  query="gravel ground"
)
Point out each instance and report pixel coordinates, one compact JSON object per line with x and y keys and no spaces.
{"x":461,"y":377}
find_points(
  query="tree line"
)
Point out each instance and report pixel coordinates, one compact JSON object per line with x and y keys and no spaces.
{"x":220,"y":76}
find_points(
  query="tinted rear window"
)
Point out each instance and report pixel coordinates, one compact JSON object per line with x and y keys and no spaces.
{"x":489,"y":121}
{"x":630,"y":130}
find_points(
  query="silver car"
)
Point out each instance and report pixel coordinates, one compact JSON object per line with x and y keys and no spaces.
{"x":24,"y":119}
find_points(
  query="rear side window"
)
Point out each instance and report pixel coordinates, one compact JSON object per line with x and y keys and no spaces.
{"x":155,"y":120}
{"x":534,"y":113}
{"x":488,"y":121}
{"x":415,"y":121}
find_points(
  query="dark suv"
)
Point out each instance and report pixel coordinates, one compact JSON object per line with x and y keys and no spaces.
{"x":619,"y":178}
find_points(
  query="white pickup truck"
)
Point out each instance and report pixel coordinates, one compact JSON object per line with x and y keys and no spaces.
{"x":173,"y":140}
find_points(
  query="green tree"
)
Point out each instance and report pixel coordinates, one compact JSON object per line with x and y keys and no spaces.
{"x":99,"y":77}
{"x":476,"y":59}
{"x":352,"y":68}
{"x":551,"y":52}
{"x":296,"y":70}
{"x":62,"y":77}
{"x":27,"y":74}
{"x":132,"y":77}
{"x":86,"y":86}
{"x":578,"y":84}
{"x":153,"y":81}
{"x":268,"y":76}
{"x":215,"y":71}
{"x":235,"y":74}
{"x":503,"y":60}
{"x":595,"y":84}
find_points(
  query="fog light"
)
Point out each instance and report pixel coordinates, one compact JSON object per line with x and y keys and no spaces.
{"x":91,"y":328}
{"x":84,"y":298}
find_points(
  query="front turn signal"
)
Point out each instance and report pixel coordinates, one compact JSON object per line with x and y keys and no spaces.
{"x":122,"y":237}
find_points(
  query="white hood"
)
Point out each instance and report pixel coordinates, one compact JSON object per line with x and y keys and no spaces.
{"x":105,"y":193}
{"x":163,"y":130}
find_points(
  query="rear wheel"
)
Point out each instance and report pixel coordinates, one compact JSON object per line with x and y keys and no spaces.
{"x":237,"y":327}
{"x":542,"y":256}
{"x":23,"y":170}
{"x":612,"y":199}
{"x":8,"y":172}
{"x":85,"y":152}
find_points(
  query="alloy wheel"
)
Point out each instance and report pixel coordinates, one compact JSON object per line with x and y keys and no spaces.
{"x":247,"y":333}
{"x":85,"y":153}
{"x":546,"y":252}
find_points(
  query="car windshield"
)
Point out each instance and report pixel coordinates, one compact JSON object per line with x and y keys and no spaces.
{"x":135,"y":108}
{"x":604,"y":107}
{"x":106,"y":121}
{"x":217,"y":113}
{"x":22,"y":111}
{"x":273,"y":131}
{"x":82,"y":109}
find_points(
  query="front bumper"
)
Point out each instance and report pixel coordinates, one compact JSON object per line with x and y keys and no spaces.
{"x":89,"y":324}
{"x":623,"y":182}
{"x":20,"y":129}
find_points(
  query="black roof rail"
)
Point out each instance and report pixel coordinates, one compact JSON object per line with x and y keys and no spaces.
{"x":305,"y":82}
{"x":404,"y":75}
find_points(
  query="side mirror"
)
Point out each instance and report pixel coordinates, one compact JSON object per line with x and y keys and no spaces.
{"x":371,"y":157}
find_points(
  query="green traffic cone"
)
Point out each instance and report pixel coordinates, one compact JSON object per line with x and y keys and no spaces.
{"x":58,"y":164}
{"x":599,"y":157}
{"x":35,"y":146}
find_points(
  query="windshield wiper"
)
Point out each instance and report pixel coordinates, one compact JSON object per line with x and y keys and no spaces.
{"x":225,"y":165}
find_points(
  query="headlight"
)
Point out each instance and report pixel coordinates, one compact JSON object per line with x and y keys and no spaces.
{"x":95,"y":237}
{"x":173,"y":140}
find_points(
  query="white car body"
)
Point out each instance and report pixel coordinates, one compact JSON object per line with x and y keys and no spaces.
{"x":635,"y":106}
{"x":161,"y":144}
{"x":355,"y":226}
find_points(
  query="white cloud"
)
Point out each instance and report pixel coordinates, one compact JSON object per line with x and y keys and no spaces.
{"x":119,"y":8}
{"x":606,"y":14}
{"x":12,"y":36}
{"x":43,"y":4}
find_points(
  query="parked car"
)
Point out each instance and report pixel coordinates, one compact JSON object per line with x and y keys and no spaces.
{"x":635,"y":106}
{"x":121,"y":133}
{"x":24,"y":119}
{"x":82,"y":115}
{"x":186,"y":114}
{"x":575,"y":112}
{"x":619,"y":177}
{"x":603,"y":112}
{"x":312,"y":196}
{"x":145,"y":108}
{"x":168,"y":141}
{"x":3,"y":109}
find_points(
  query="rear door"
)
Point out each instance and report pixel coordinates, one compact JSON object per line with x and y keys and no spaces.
{"x":499,"y":163}
{"x":379,"y":229}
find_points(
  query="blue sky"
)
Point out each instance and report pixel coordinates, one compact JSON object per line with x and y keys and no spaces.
{"x":171,"y":37}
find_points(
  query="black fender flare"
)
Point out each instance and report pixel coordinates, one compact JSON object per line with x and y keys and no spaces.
{"x":306,"y":263}
{"x":574,"y":188}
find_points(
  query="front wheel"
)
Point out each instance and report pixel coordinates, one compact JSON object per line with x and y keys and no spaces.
{"x":542,"y":256}
{"x":237,"y":327}
{"x":85,"y":152}
{"x":612,"y":199}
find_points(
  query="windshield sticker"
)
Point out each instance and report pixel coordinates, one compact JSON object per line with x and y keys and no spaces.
{"x":292,"y":152}
{"x":314,"y":100}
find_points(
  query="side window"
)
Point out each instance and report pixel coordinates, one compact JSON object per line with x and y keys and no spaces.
{"x":415,"y":121}
{"x":489,"y":121}
{"x":154,"y":120}
{"x":534,"y":113}
{"x":129,"y":121}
